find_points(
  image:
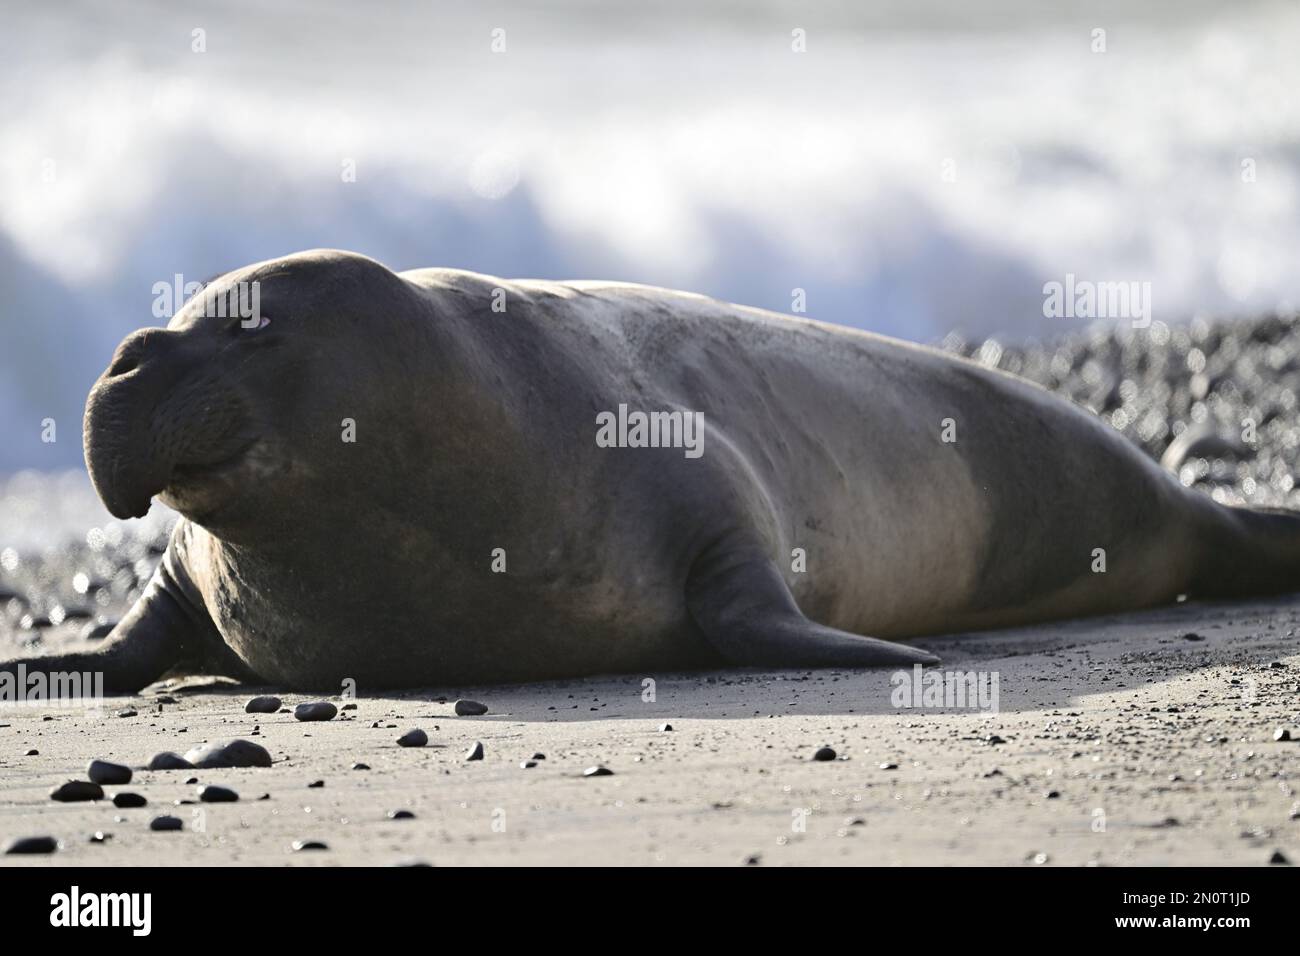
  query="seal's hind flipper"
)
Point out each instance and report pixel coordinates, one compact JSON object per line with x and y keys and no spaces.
{"x":738,"y":599}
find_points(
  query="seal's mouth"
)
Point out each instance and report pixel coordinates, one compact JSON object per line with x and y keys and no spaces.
{"x":196,"y":473}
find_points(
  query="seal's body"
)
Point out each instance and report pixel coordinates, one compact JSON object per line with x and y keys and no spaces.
{"x":401,"y":479}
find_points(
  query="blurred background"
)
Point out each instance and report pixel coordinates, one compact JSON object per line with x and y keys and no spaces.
{"x":919,"y":167}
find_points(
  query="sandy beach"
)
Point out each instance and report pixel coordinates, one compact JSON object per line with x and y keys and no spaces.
{"x":1142,"y":739}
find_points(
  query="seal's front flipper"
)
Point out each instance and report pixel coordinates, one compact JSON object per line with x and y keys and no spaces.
{"x":163,"y":629}
{"x":740,"y":602}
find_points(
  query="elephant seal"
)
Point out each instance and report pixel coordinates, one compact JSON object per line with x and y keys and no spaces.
{"x":408,"y":479}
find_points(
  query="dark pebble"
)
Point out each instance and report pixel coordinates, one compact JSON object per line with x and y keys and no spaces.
{"x":888,"y":766}
{"x":128,"y":713}
{"x":214,"y":794}
{"x":598,"y":772}
{"x":166,"y":823}
{"x":824,"y":753}
{"x":32,"y":753}
{"x":300,"y":845}
{"x":169,"y":761}
{"x":127,"y":801}
{"x":401,"y":815}
{"x":316,"y":785}
{"x":665,"y":728}
{"x":470,"y":708}
{"x":33,"y":844}
{"x":1279,"y":858}
{"x":315,"y":710}
{"x":99,"y":836}
{"x":475,"y":752}
{"x":361,"y":766}
{"x":1281,"y":734}
{"x":263,"y":705}
{"x":76,"y":791}
{"x":527,"y":764}
{"x":413,"y":738}
{"x":101,"y":771}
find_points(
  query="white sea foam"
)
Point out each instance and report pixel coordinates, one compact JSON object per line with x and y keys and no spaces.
{"x":677,"y":144}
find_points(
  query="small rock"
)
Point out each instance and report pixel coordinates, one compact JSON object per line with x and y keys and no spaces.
{"x":300,"y":845}
{"x":401,"y":815}
{"x":99,"y":836}
{"x":77,"y":791}
{"x":537,"y":757}
{"x":1052,"y":794}
{"x":214,"y":794}
{"x":33,"y":844}
{"x":470,"y":708}
{"x":264,"y":704}
{"x":527,"y":764}
{"x":315,"y":710}
{"x":888,"y":766}
{"x":1281,"y":734}
{"x":169,"y":761}
{"x":129,"y":712}
{"x":32,"y":753}
{"x":1279,"y":858}
{"x":1192,"y":636}
{"x":475,"y":752}
{"x":128,"y":801}
{"x":114,"y":774}
{"x":598,"y":772}
{"x":361,"y":766}
{"x":166,"y":823}
{"x":665,"y":728}
{"x":232,"y":753}
{"x":824,"y":754}
{"x":413,"y":738}
{"x":316,"y":785}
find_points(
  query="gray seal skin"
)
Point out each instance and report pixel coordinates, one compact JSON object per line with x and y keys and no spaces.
{"x":302,"y":559}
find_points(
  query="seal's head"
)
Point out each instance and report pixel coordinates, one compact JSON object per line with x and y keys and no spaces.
{"x":233,"y":410}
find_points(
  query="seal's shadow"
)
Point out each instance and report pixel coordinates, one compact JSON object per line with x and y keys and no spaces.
{"x":1042,"y":667}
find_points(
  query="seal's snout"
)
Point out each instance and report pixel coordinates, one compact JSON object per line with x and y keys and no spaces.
{"x":120,"y":453}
